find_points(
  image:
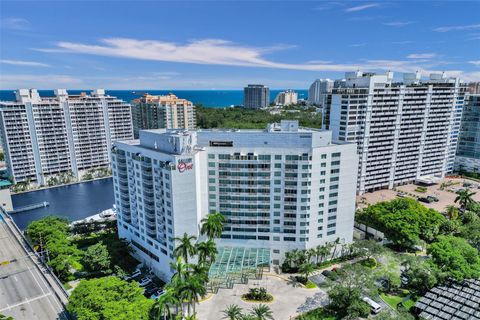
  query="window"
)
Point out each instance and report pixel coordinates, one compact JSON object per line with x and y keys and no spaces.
{"x":211,"y":156}
{"x":278,"y":165}
{"x":278,"y":157}
{"x":324,"y":156}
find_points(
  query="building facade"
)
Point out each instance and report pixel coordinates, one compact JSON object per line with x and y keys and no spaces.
{"x":282,"y":188}
{"x":46,"y":136}
{"x":157,"y":112}
{"x":468,"y":152}
{"x":319,"y":91}
{"x":404,"y":131}
{"x":286,"y":98}
{"x":256,"y":96}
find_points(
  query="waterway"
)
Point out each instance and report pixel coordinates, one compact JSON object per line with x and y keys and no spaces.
{"x":75,"y":201}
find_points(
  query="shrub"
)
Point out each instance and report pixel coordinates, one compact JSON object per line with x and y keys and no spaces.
{"x":258,"y":294}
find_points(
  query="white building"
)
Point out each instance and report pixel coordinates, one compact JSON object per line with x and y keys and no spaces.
{"x":46,"y":136}
{"x":286,"y":98}
{"x":281,"y":188}
{"x":468,"y":152}
{"x":404,"y":131}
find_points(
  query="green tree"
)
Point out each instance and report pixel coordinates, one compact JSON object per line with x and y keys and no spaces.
{"x":108,"y":298}
{"x":451,"y":212}
{"x":456,"y":257}
{"x":403,"y":221}
{"x":162,"y":308}
{"x":233,"y":312}
{"x":464,"y":198}
{"x":262,"y":312}
{"x":206,"y":252}
{"x":212,"y":225}
{"x":306,"y":269}
{"x":2,"y":317}
{"x":97,"y":258}
{"x":422,"y":275}
{"x":185,"y":248}
{"x":40,"y":231}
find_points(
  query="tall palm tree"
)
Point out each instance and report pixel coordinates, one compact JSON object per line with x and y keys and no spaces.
{"x":233,"y":312}
{"x":306,"y":270}
{"x":310,"y":253}
{"x":185,"y":248}
{"x":335,"y":243}
{"x":180,"y":269}
{"x":190,"y":290}
{"x":262,"y":312}
{"x":201,"y":271}
{"x":206,"y":251}
{"x":212,"y":225}
{"x":452,"y":212}
{"x":464,"y":198}
{"x":162,"y":307}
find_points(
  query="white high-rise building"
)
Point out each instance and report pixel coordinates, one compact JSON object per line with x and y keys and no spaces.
{"x":282,"y":188}
{"x":319,"y":90}
{"x":404,"y":131}
{"x":46,"y":136}
{"x":286,"y":98}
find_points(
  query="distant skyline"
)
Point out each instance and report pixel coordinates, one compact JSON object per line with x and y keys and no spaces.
{"x":229,"y":44}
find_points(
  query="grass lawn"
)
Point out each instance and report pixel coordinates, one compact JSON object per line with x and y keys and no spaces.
{"x":310,"y":285}
{"x":394,"y":299}
{"x":317,"y":314}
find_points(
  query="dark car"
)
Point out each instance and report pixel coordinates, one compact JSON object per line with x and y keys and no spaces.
{"x":425,"y":200}
{"x":150,"y":290}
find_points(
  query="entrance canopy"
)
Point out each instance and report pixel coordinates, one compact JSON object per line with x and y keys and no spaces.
{"x":237,"y":265}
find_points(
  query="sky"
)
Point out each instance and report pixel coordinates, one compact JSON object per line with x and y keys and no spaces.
{"x":229,"y":44}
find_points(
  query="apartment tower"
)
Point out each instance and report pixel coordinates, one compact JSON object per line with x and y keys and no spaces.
{"x":281,"y":188}
{"x":256,"y":96}
{"x":468,"y":152}
{"x":46,"y":136}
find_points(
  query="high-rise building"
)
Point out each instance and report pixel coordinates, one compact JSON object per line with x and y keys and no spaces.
{"x":279,"y":189}
{"x":256,"y":96}
{"x":156,"y":112}
{"x":404,"y":131}
{"x":319,"y":92}
{"x":474,"y":87}
{"x":468,"y":152}
{"x":46,"y":136}
{"x":286,"y":98}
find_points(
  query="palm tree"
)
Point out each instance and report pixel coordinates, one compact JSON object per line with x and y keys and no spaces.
{"x":185,"y":248}
{"x":201,"y":271}
{"x":233,"y":312}
{"x":262,"y":312}
{"x":464,"y":198}
{"x":161,"y":308}
{"x":306,"y":270}
{"x":337,"y":241}
{"x":190,"y":290}
{"x":324,"y":250}
{"x":180,"y":269}
{"x":310,"y":253}
{"x":290,"y":258}
{"x":207,"y":252}
{"x":212,"y":225}
{"x":452,"y":212}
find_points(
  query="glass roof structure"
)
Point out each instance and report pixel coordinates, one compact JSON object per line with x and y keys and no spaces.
{"x":237,"y":265}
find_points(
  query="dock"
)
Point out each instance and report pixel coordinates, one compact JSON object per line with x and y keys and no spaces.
{"x":30,"y":207}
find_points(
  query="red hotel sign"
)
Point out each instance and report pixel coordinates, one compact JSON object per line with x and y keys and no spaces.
{"x":184,"y":165}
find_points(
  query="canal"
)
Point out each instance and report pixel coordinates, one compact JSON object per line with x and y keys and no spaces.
{"x":75,"y":201}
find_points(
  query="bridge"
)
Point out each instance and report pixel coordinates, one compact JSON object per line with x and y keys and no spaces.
{"x":30,"y":207}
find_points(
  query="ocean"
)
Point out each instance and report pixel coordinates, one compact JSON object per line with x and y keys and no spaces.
{"x":208,"y":98}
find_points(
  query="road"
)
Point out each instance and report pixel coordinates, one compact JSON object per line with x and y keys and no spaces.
{"x":24,"y":291}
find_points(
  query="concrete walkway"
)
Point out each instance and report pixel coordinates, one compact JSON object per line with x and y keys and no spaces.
{"x":288,"y":298}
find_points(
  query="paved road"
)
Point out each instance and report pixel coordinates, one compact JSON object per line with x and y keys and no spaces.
{"x":24,"y":293}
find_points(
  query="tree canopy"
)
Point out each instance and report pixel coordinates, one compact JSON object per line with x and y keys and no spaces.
{"x":456,"y":257}
{"x":403,"y":221}
{"x":109,"y":298}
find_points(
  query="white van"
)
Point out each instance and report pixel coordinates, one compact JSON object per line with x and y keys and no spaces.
{"x":376,"y":308}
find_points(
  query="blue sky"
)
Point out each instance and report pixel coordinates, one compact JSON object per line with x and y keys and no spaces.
{"x":228,"y":44}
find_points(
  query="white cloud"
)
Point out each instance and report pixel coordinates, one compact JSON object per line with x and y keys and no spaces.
{"x":457,"y":28}
{"x":402,"y":42}
{"x":15,"y":23}
{"x":47,"y":81}
{"x":421,"y":55}
{"x":363,"y":44}
{"x":24,"y":63}
{"x":398,"y":23}
{"x":476,"y":62}
{"x":362,"y":7}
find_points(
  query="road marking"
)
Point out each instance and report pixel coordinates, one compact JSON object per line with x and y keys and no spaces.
{"x":25,"y":301}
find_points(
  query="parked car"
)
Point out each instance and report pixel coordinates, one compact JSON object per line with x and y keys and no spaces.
{"x":375,"y":307}
{"x":433,"y":198}
{"x":151,"y":289}
{"x":401,"y":194}
{"x":330,"y":274}
{"x":404,"y":280}
{"x":145,"y":282}
{"x":157,"y":294}
{"x":425,"y":200}
{"x":135,"y":274}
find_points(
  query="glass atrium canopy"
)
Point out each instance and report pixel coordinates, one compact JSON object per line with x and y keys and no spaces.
{"x":237,"y":265}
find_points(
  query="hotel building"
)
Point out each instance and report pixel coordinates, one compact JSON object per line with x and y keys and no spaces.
{"x":468,"y":152}
{"x":282,"y":188}
{"x":46,"y":136}
{"x":286,"y":98}
{"x":256,"y":96}
{"x":157,"y":112}
{"x":404,"y":131}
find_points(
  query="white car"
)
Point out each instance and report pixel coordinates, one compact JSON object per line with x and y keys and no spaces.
{"x":145,"y":282}
{"x":135,"y":274}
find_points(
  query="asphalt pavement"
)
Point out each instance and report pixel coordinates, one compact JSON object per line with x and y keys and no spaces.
{"x":24,"y":292}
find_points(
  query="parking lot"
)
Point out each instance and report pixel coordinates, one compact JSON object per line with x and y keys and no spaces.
{"x":446,"y":195}
{"x":153,"y":287}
